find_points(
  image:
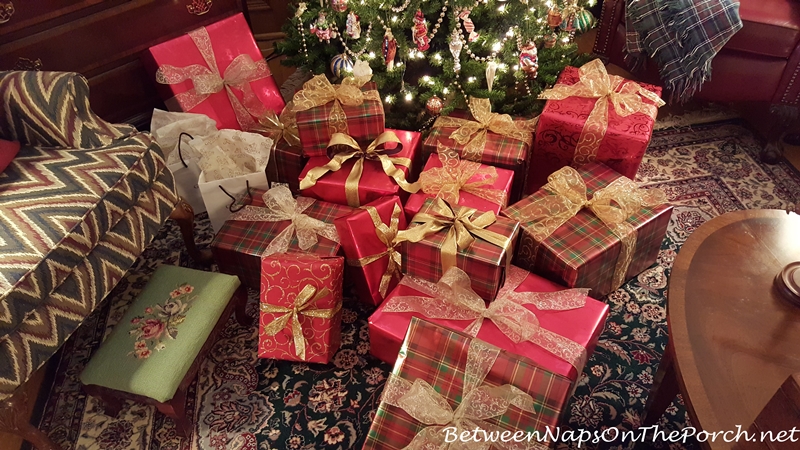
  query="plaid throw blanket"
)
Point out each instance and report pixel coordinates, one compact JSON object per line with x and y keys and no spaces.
{"x":682,"y":36}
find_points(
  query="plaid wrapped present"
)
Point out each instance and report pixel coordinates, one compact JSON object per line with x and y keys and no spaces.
{"x":448,"y":379}
{"x":301,"y":307}
{"x":353,"y":108}
{"x":571,"y":245}
{"x":287,"y":159}
{"x":268,"y":222}
{"x":441,"y":236}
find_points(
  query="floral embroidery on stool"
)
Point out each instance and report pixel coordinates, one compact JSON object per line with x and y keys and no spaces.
{"x":160,"y":321}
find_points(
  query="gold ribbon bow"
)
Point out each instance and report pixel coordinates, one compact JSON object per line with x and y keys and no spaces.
{"x":207,"y":80}
{"x":452,"y":298}
{"x":462,"y":229}
{"x":390,"y":236}
{"x":375,"y":151}
{"x":472,"y":133}
{"x":454,"y":176}
{"x":281,"y":206}
{"x":613,"y":205}
{"x":479,"y":403}
{"x":319,"y":91}
{"x":279,"y":127}
{"x":625,"y":96}
{"x":301,"y":307}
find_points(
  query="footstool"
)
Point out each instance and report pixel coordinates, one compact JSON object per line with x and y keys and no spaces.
{"x":153,"y":354}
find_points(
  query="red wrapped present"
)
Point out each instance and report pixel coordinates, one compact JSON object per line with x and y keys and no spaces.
{"x":461,"y":182}
{"x":533,"y":317}
{"x":287,"y":160}
{"x":354,"y":175}
{"x":218,"y":71}
{"x":441,"y":236}
{"x":269,"y":222}
{"x":301,"y":307}
{"x":592,"y":116}
{"x":446,"y":383}
{"x":370,"y":241}
{"x":492,"y":139}
{"x":353,"y":107}
{"x":598,"y":243}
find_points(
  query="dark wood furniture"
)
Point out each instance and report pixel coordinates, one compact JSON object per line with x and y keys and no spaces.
{"x":781,"y":414}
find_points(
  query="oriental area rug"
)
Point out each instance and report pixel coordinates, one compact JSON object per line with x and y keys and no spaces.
{"x":241,"y":402}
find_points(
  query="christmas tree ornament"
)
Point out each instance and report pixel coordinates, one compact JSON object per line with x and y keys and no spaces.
{"x":583,"y":21}
{"x":419,"y":32}
{"x":550,"y":40}
{"x":468,"y":25}
{"x":341,"y":65}
{"x":362,"y":69}
{"x":339,"y":5}
{"x":434,"y":106}
{"x":491,"y":70}
{"x":455,"y":48}
{"x":353,"y":26}
{"x":529,"y":60}
{"x":389,"y":49}
{"x":322,"y":29}
{"x":554,"y":17}
{"x":301,"y":8}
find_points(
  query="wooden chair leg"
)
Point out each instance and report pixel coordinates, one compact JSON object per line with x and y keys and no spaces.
{"x":183,"y":214}
{"x":175,"y":409}
{"x":240,"y":297}
{"x":12,"y":421}
{"x":664,"y":390}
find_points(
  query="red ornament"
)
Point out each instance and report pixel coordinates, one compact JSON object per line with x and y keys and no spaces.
{"x":434,"y":106}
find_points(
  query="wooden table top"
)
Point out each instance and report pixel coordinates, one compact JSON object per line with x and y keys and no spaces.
{"x":736,"y":339}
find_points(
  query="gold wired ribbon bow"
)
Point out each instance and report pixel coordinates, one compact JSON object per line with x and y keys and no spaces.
{"x":625,"y":96}
{"x":462,"y":229}
{"x":472,"y":133}
{"x":302,"y":307}
{"x":281,"y":206}
{"x":207,"y":80}
{"x":479,"y":403}
{"x":613,"y":205}
{"x":391,"y":237}
{"x":452,"y":298}
{"x":319,"y":91}
{"x":343,"y":147}
{"x":279,"y":127}
{"x":448,"y":181}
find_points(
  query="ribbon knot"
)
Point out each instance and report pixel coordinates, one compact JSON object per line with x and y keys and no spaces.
{"x":319,"y":91}
{"x":280,"y":127}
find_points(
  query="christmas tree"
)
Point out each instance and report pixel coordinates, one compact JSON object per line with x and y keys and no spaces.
{"x":429,"y":56}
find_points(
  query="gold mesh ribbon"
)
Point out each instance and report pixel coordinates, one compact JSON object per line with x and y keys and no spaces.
{"x":319,"y":91}
{"x":206,"y":80}
{"x":281,"y":206}
{"x":613,"y":205}
{"x":479,"y":403}
{"x":626,"y":97}
{"x":472,"y":133}
{"x":390,"y":236}
{"x":462,"y":229}
{"x":279,"y":127}
{"x":302,"y":307}
{"x":345,"y":147}
{"x":447,"y":182}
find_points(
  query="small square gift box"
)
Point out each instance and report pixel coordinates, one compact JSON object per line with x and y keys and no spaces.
{"x":461,"y":182}
{"x":445,"y":383}
{"x":287,"y":159}
{"x":353,"y":107}
{"x":492,"y":139}
{"x":370,"y":238}
{"x":218,"y":71}
{"x":593,"y":116}
{"x":270,"y":222}
{"x":556,"y":327}
{"x":301,"y":304}
{"x":355,"y":174}
{"x":442,"y":236}
{"x":590,"y":228}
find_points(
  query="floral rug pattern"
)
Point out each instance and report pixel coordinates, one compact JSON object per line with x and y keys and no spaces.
{"x":242,"y":402}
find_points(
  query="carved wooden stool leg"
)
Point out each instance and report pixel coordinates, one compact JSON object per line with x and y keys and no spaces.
{"x":240,"y":297}
{"x":184,"y":216}
{"x":782,"y":116}
{"x":12,"y":421}
{"x":664,"y":390}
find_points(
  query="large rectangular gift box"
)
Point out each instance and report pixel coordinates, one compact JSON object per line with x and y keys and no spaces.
{"x":258,"y":230}
{"x":569,"y":322}
{"x":287,"y":160}
{"x":183,"y":66}
{"x":374,"y":183}
{"x":561,"y":123}
{"x":488,"y":244}
{"x":453,"y":381}
{"x":306,"y":288}
{"x":570,"y":245}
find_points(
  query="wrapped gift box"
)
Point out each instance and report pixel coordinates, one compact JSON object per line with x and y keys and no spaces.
{"x":438,"y":369}
{"x":583,"y":251}
{"x":374,"y":182}
{"x":477,"y":191}
{"x":313,"y":286}
{"x":560,"y":126}
{"x":485,"y":259}
{"x":573,"y":316}
{"x":286,"y":165}
{"x":369,"y":240}
{"x":240,"y":244}
{"x":228,"y":40}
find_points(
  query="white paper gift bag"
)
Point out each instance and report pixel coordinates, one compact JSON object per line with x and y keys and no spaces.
{"x":220,"y":195}
{"x":187,"y":173}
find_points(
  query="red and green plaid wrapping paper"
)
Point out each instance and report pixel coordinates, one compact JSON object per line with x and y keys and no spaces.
{"x":238,"y":246}
{"x":285,"y":165}
{"x":484,"y":262}
{"x":438,"y":355}
{"x":364,"y":123}
{"x":583,"y":252}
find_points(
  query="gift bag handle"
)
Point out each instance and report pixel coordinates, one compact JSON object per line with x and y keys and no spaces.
{"x":180,"y":140}
{"x":233,"y":199}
